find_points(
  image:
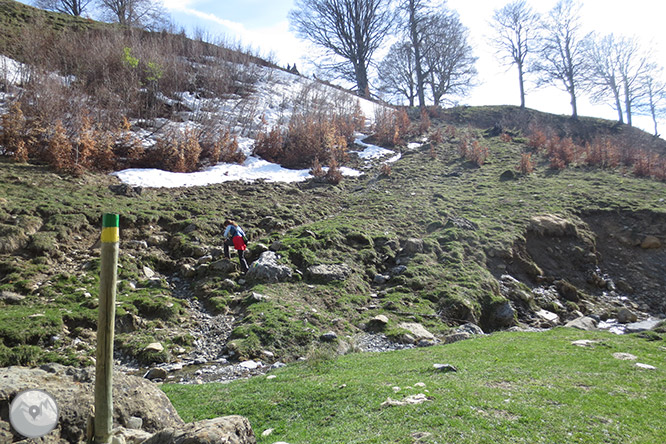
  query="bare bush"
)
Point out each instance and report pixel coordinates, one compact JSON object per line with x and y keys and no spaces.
{"x":525,"y":166}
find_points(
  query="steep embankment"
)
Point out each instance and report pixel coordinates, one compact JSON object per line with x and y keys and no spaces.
{"x":429,"y":240}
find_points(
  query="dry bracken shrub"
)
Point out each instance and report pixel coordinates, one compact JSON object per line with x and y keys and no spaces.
{"x":385,"y":169}
{"x":436,"y":137}
{"x":317,"y":171}
{"x":478,"y":153}
{"x":525,"y":166}
{"x":386,"y":129}
{"x":21,"y":152}
{"x":13,"y":129}
{"x":402,"y":122}
{"x":506,"y":137}
{"x":424,"y":121}
{"x":450,"y":131}
{"x":333,"y":175}
{"x":269,"y":145}
{"x":128,"y":149}
{"x":537,"y":139}
{"x":60,"y":149}
{"x":645,"y":164}
{"x":223,"y":148}
{"x":602,"y":153}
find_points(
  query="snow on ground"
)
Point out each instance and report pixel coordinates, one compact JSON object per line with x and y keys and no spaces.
{"x":277,"y":94}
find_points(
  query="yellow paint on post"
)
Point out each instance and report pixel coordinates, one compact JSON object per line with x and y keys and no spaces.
{"x":110,"y":228}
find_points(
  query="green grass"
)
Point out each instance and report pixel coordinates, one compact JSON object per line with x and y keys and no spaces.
{"x":509,"y":388}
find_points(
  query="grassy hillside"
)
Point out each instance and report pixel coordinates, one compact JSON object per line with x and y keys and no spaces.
{"x":472,"y":225}
{"x":508,"y":388}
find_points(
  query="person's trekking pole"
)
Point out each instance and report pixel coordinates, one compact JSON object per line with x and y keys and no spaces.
{"x":106,"y":319}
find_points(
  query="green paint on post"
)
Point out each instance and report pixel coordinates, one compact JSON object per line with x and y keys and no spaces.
{"x":110,"y":220}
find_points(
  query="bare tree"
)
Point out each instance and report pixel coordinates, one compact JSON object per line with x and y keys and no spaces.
{"x":350,"y":29}
{"x":416,"y":13}
{"x":654,"y":103}
{"x":562,"y":61}
{"x":516,"y":26}
{"x":149,"y":14}
{"x":71,"y":7}
{"x":634,"y":66}
{"x":603,"y":79}
{"x":397,"y":72}
{"x":450,"y":64}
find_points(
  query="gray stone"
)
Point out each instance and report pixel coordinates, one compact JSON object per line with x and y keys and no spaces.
{"x":625,"y":316}
{"x":502,"y":315}
{"x":267,"y":269}
{"x":444,"y":368}
{"x":134,"y":422}
{"x":455,"y":337}
{"x":548,"y":317}
{"x":9,"y":297}
{"x":417,"y":330}
{"x":258,"y":297}
{"x":470,"y":328}
{"x":225,"y":430}
{"x":223,"y":266}
{"x":156,"y":373}
{"x":329,"y":272}
{"x":650,"y":242}
{"x":148,"y":272}
{"x":637,"y":327}
{"x":381,"y":279}
{"x":378,"y":322}
{"x":329,"y":336}
{"x":188,"y":271}
{"x":412,"y":246}
{"x":398,"y":270}
{"x":585,"y":323}
{"x":154,"y":347}
{"x":73,"y":390}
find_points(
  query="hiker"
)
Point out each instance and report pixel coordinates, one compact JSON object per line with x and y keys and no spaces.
{"x":235,"y":236}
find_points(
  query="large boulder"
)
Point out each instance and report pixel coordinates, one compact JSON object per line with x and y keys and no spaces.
{"x":73,"y":390}
{"x":137,"y":402}
{"x":267,"y":269}
{"x":328,"y":272}
{"x":225,"y":430}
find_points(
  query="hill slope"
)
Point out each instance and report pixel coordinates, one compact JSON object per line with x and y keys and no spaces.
{"x":428,"y":242}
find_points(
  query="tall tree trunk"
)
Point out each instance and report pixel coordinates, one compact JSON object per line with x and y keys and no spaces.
{"x":414,"y":35}
{"x":522,"y":85}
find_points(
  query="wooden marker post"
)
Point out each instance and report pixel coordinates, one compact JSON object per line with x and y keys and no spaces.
{"x":106,"y":320}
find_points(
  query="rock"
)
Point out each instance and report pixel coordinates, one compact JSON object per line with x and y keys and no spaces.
{"x":625,"y":356}
{"x":206,"y":259}
{"x":378,"y":323}
{"x":129,"y":435}
{"x":134,"y":422}
{"x":328,"y":272}
{"x":409,"y":400}
{"x":381,"y":279}
{"x":650,"y":242}
{"x":154,"y":347}
{"x":584,"y":343}
{"x":444,"y":368}
{"x":551,"y":225}
{"x":625,"y":316}
{"x":502,"y":315}
{"x":645,"y":366}
{"x":128,"y":323}
{"x":455,"y":337}
{"x":637,"y":327}
{"x":148,"y":272}
{"x":126,"y":190}
{"x":223,"y":266}
{"x":417,"y":330}
{"x":585,"y":323}
{"x":250,"y":365}
{"x":188,"y":271}
{"x":73,"y":390}
{"x":225,"y":430}
{"x":398,"y":270}
{"x":156,"y":240}
{"x":470,"y":328}
{"x":9,"y":297}
{"x":156,"y":373}
{"x":329,"y":336}
{"x":412,"y":246}
{"x":507,"y":175}
{"x":550,"y":318}
{"x":568,"y":291}
{"x":267,"y":269}
{"x":258,"y":297}
{"x":137,"y":244}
